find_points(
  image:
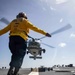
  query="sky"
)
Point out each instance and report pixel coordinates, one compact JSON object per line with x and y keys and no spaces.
{"x":48,"y":15}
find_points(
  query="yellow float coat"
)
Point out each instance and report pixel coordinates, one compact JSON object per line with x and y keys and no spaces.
{"x":21,"y":27}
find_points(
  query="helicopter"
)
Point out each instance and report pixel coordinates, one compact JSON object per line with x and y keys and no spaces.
{"x":34,"y":46}
{"x":35,"y":49}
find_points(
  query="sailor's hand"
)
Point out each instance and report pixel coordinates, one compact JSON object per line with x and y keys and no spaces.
{"x":48,"y":35}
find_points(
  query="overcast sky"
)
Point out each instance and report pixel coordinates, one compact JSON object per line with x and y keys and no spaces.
{"x":48,"y":15}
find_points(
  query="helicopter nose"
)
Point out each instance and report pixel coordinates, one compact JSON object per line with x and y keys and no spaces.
{"x":34,"y":52}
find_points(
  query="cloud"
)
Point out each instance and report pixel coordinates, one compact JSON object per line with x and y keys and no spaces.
{"x":52,"y":8}
{"x":62,"y":44}
{"x":61,"y":1}
{"x":61,"y":20}
{"x":72,"y":35}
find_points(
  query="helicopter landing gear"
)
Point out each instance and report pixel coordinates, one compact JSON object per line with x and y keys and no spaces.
{"x":44,"y":50}
{"x":35,"y":57}
{"x":40,"y":53}
{"x":27,"y":52}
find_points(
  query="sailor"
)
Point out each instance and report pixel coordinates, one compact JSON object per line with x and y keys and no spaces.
{"x":18,"y":30}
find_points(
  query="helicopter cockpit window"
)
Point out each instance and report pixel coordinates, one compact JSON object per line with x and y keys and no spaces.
{"x":34,"y":43}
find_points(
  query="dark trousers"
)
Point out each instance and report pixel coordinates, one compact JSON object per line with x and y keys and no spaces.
{"x":17,"y":46}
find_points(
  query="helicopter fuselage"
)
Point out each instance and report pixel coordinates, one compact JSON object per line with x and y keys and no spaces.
{"x":34,"y":49}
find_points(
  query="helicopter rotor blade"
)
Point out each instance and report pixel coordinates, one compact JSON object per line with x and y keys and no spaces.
{"x":48,"y":45}
{"x":68,"y":26}
{"x":4,"y":20}
{"x":41,"y":38}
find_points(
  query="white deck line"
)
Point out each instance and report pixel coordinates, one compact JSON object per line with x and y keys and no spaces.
{"x":34,"y":73}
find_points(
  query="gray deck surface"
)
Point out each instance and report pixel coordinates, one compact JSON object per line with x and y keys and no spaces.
{"x":22,"y":71}
{"x":55,"y":72}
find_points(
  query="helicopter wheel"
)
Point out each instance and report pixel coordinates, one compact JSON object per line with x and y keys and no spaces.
{"x":44,"y":50}
{"x":27,"y":52}
{"x":40,"y":53}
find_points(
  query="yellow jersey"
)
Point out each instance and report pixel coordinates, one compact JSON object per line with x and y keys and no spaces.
{"x":21,"y":27}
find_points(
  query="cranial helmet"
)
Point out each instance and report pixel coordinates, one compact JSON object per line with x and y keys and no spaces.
{"x":21,"y":14}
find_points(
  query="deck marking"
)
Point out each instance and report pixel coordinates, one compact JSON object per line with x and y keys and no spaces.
{"x":34,"y":73}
